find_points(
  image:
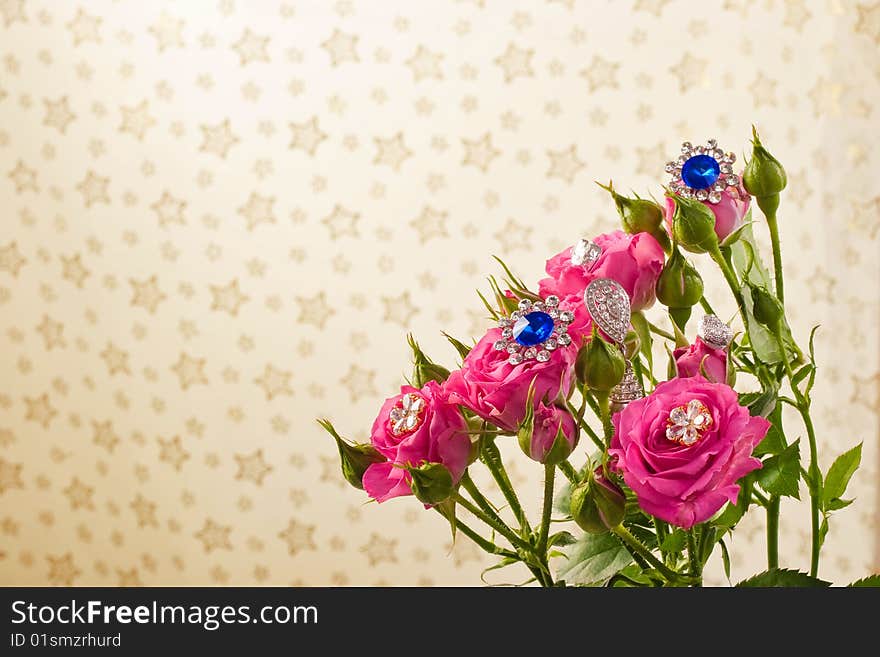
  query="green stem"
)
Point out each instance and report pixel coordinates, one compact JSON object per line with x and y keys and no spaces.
{"x":484,"y":543}
{"x":586,"y":427}
{"x":694,"y":557}
{"x":773,"y":532}
{"x":671,"y":576}
{"x":499,"y":527}
{"x":803,"y":407}
{"x":492,"y":459}
{"x":730,"y":277}
{"x":568,"y":470}
{"x":659,"y":331}
{"x":605,"y":415}
{"x":546,"y":510}
{"x":777,"y":254}
{"x":487,"y":507}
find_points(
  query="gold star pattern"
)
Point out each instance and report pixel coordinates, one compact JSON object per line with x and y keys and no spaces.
{"x":169,"y":209}
{"x":136,"y":120}
{"x":58,"y":114}
{"x":190,"y":371}
{"x":425,"y":64}
{"x":24,"y":178}
{"x":39,"y":410}
{"x":564,"y":164}
{"x":391,"y":151}
{"x":168,"y":32}
{"x":601,"y":73}
{"x":274,"y":382}
{"x":171,"y":452}
{"x":52,"y":333}
{"x":868,"y":22}
{"x":399,"y":309}
{"x":214,"y":536}
{"x":103,"y":435}
{"x":515,"y":62}
{"x":11,"y":259}
{"x":379,"y":549}
{"x":146,"y":294}
{"x":94,"y":189}
{"x":116,"y":360}
{"x":228,"y":298}
{"x":480,"y":152}
{"x":12,"y":11}
{"x":257,"y":210}
{"x":62,"y":570}
{"x":84,"y":28}
{"x":73,"y":270}
{"x":359,"y":382}
{"x":252,"y":467}
{"x":298,"y":536}
{"x":430,"y":224}
{"x":218,"y":139}
{"x":79,"y":495}
{"x":307,"y":135}
{"x":144,"y":512}
{"x":690,"y":71}
{"x":341,"y":223}
{"x":314,"y":310}
{"x":10,"y":475}
{"x":251,"y":48}
{"x":341,"y":47}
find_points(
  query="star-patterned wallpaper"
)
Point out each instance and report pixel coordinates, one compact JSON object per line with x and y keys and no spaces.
{"x":221,"y":218}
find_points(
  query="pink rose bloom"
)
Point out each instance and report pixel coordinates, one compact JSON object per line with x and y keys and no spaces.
{"x":414,"y":427}
{"x":548,"y":421}
{"x":634,"y":261}
{"x":729,"y":212}
{"x":497,"y":391}
{"x":689,"y":359}
{"x":682,"y":449}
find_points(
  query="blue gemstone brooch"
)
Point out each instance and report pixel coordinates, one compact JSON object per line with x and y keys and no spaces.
{"x":534,"y":330}
{"x":702,"y":172}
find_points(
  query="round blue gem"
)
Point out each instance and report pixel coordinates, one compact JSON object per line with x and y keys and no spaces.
{"x":700,"y":171}
{"x":533,"y":328}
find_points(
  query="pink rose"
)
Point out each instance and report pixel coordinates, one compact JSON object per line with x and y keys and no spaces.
{"x":634,"y":261}
{"x":549,"y":420}
{"x":729,"y":212}
{"x":688,"y":361}
{"x":683,"y":448}
{"x":497,"y":391}
{"x":414,"y":427}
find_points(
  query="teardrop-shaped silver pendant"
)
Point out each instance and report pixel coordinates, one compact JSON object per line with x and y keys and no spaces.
{"x":608,"y":305}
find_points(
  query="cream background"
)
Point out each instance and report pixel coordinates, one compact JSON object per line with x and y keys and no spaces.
{"x":175,"y":309}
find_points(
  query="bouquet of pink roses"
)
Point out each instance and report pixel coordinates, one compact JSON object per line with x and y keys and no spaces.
{"x":672,"y":465}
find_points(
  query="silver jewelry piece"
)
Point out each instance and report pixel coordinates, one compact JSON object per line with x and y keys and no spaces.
{"x":609,"y":306}
{"x":629,"y":389}
{"x":522,"y":342}
{"x":714,"y":168}
{"x":714,"y":332}
{"x":584,"y":253}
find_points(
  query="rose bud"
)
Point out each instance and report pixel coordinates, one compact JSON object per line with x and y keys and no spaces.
{"x":431,"y":483}
{"x":679,"y":287}
{"x":693,"y":225}
{"x":597,"y":504}
{"x":766,"y":307}
{"x":548,"y":434}
{"x":600,"y":364}
{"x":424,"y":369}
{"x":354,"y":458}
{"x":639,"y":215}
{"x":701,"y":359}
{"x":764,"y":177}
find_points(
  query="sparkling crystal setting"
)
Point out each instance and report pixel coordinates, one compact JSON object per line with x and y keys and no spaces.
{"x":714,"y":332}
{"x":407,"y":414}
{"x":703,"y":172}
{"x":534,"y":331}
{"x":686,"y":424}
{"x":629,"y":389}
{"x":609,"y":306}
{"x":585,"y":253}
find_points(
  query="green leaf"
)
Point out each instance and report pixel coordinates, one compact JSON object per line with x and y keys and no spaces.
{"x":728,"y":518}
{"x":760,"y":403}
{"x":506,"y":561}
{"x":593,"y":559}
{"x":462,"y":349}
{"x":725,"y":559}
{"x":561,"y":538}
{"x":838,"y":503}
{"x":774,"y":441}
{"x":869,"y":581}
{"x":782,"y":577}
{"x":674,"y":541}
{"x":640,"y":325}
{"x":781,"y":474}
{"x":803,"y":373}
{"x":839,"y":474}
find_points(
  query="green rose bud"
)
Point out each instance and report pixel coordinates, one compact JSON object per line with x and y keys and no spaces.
{"x":600,"y":364}
{"x":355,"y":458}
{"x":424,"y":369}
{"x":693,"y":225}
{"x":764,"y":177}
{"x":639,"y":215}
{"x":766,"y":307}
{"x":597,"y":504}
{"x":431,"y":483}
{"x":679,"y":287}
